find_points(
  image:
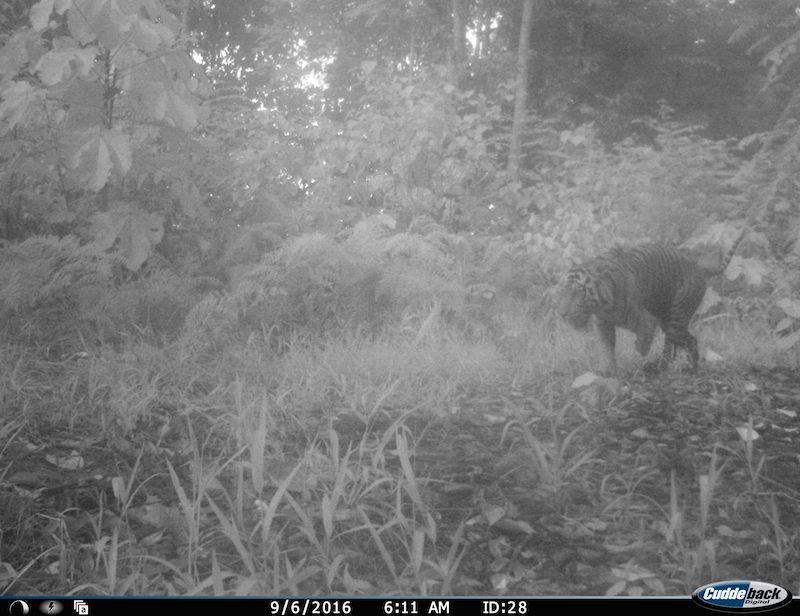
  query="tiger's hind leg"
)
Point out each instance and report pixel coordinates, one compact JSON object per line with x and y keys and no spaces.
{"x":660,"y":363}
{"x":668,"y":354}
{"x":681,"y":338}
{"x":676,"y":324}
{"x":673,"y":341}
{"x":608,"y":339}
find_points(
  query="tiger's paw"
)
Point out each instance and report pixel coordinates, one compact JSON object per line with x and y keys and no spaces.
{"x":655,"y":366}
{"x":661,"y":364}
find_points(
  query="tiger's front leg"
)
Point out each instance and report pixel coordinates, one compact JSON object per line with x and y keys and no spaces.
{"x":678,"y":338}
{"x":608,"y":338}
{"x":645,"y":330}
{"x":670,"y":352}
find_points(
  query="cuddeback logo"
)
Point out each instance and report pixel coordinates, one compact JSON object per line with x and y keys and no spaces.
{"x":741,"y":596}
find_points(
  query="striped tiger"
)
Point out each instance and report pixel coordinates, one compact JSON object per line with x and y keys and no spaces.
{"x":638,"y":289}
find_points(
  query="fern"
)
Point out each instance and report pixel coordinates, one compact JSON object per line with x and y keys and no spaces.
{"x":251,"y":243}
{"x":44,"y":269}
{"x":768,"y":179}
{"x":366,"y":278}
{"x":157,"y":304}
{"x":211,"y":324}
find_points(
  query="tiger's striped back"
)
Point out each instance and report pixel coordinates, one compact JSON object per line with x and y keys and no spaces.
{"x":638,"y":288}
{"x":665,"y":283}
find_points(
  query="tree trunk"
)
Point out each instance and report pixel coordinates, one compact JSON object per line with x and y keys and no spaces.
{"x":459,"y":39}
{"x":521,"y":98}
{"x":486,"y":29}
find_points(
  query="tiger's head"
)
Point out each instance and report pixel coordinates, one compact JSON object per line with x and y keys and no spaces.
{"x":582,"y":294}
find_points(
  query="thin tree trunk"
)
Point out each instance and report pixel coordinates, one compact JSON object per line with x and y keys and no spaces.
{"x":582,"y":36}
{"x":521,"y":99}
{"x":459,"y":39}
{"x":488,"y":15}
{"x":185,"y":16}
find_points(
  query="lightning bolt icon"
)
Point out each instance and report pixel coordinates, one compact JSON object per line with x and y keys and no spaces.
{"x":50,"y":607}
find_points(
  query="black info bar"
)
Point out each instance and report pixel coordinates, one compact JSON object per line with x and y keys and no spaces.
{"x":343,"y":606}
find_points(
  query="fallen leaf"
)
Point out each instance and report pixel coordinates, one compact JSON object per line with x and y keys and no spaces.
{"x":747,"y":434}
{"x":584,"y":380}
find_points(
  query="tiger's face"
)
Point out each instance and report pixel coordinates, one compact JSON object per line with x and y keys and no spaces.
{"x":578,"y":297}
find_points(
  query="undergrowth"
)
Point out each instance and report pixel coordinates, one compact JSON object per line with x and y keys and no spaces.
{"x":380,"y":413}
{"x":411,"y":463}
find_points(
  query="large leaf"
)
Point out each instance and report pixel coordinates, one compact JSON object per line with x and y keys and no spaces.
{"x":40,"y":14}
{"x":41,"y":11}
{"x":710,"y":299}
{"x":84,"y":98}
{"x":107,"y":227}
{"x":149,"y":36}
{"x":134,"y":231}
{"x":101,"y":20}
{"x":19,"y":101}
{"x":23,"y":47}
{"x":141,"y":234}
{"x":154,"y":91}
{"x":181,"y":112}
{"x":63,"y":63}
{"x":98,"y":153}
{"x":752,"y":269}
{"x":188,"y":195}
{"x":112,"y":22}
{"x":146,"y":91}
{"x":790,"y":306}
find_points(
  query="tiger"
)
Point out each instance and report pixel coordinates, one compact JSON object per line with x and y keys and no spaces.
{"x":638,"y":289}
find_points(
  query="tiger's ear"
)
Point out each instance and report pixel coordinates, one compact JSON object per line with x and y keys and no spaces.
{"x":605,"y":290}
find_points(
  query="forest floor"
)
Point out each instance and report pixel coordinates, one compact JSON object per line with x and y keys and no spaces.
{"x":645,"y":485}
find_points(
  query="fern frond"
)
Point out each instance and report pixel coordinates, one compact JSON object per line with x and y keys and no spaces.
{"x":373,"y":229}
{"x":43,"y":269}
{"x":251,"y":243}
{"x":310,"y":247}
{"x":744,"y":29}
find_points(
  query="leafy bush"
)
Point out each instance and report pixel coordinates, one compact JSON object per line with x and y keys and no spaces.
{"x":662,"y":190}
{"x":53,"y":288}
{"x":44,"y":269}
{"x":91,"y":96}
{"x":40,"y":285}
{"x":418,"y":146}
{"x":365,"y":280}
{"x":154,"y":305}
